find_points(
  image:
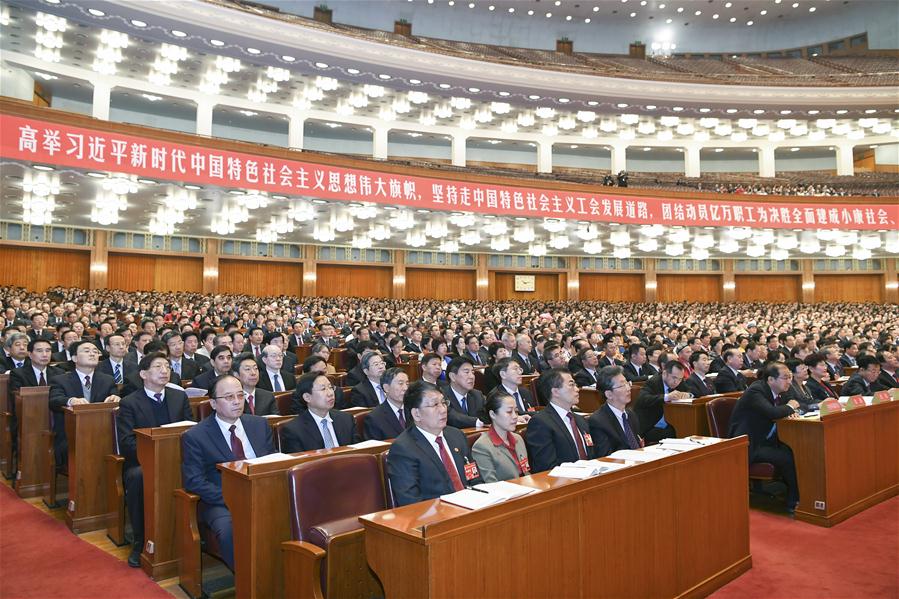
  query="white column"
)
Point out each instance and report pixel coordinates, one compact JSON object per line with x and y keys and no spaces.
{"x":619,"y":158}
{"x":102,"y":91}
{"x":845,"y":161}
{"x":458,"y":150}
{"x":691,"y":161}
{"x":766,"y":161}
{"x":380,"y":143}
{"x":16,"y":82}
{"x":544,"y":157}
{"x":204,"y":118}
{"x":296,"y":132}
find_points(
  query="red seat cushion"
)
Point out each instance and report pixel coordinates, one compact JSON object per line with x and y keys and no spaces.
{"x":761,"y":470}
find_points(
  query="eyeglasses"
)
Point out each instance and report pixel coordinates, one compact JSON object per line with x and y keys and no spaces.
{"x":229,"y":397}
{"x":439,"y":404}
{"x":627,"y":385}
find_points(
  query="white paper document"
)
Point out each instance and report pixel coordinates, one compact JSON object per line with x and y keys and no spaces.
{"x":179,"y":423}
{"x":505,"y":489}
{"x":689,"y":442}
{"x":272,"y":457}
{"x":633,"y":455}
{"x":472,"y":500}
{"x":369,"y":443}
{"x":583,"y":469}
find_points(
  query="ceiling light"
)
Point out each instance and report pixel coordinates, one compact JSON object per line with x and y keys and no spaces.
{"x":138,"y":23}
{"x":178,"y":33}
{"x":96,"y":12}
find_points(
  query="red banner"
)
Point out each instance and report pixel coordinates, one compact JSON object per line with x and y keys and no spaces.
{"x":36,"y":141}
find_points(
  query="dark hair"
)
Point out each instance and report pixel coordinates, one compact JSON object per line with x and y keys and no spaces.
{"x":670,"y":365}
{"x":155,"y":346}
{"x":206,"y":333}
{"x":141,"y":333}
{"x":367,"y":357}
{"x":304,"y":385}
{"x":583,"y":353}
{"x":493,"y":348}
{"x":605,"y":376}
{"x":549,"y":380}
{"x":492,"y":403}
{"x":694,"y":357}
{"x":239,"y":359}
{"x":654,"y":348}
{"x":456,"y":364}
{"x":312,"y":361}
{"x":771,"y":370}
{"x":847,"y":344}
{"x":415,"y":394}
{"x":219,"y":349}
{"x":185,"y":335}
{"x":500,"y":366}
{"x":147,"y":360}
{"x":34,"y":342}
{"x":428,"y":357}
{"x":389,"y":375}
{"x":793,"y":364}
{"x":866,"y":360}
{"x":814,"y":359}
{"x":317,"y":347}
{"x":775,"y":355}
{"x":73,"y":347}
{"x":633,"y":350}
{"x":730,"y":353}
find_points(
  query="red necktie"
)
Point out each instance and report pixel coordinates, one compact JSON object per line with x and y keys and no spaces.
{"x":401,"y":418}
{"x":236,"y":445}
{"x":256,"y":350}
{"x":450,"y":466}
{"x":581,"y":451}
{"x":252,"y":404}
{"x":42,"y":382}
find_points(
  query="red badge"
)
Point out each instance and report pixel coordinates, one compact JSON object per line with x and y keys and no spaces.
{"x":531,"y":409}
{"x":588,"y":439}
{"x":471,"y":471}
{"x":523,"y":466}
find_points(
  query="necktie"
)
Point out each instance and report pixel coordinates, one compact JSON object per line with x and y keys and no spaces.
{"x":449,"y":465}
{"x":157,"y":397}
{"x":256,"y":350}
{"x":42,"y":382}
{"x":629,"y":433}
{"x":519,"y":403}
{"x":896,"y":376}
{"x":252,"y":404}
{"x":176,"y":366}
{"x":474,"y":357}
{"x":708,"y":386}
{"x":581,"y":451}
{"x":401,"y":418}
{"x":278,"y":386}
{"x":380,"y":391}
{"x":464,"y":401}
{"x":326,"y":434}
{"x":118,"y":374}
{"x":236,"y":445}
{"x":638,"y":370}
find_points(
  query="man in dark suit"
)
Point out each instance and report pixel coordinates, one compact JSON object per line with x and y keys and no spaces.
{"x":186,"y":369}
{"x":613,"y":426}
{"x":226,"y":436}
{"x":191,"y":345}
{"x":850,"y":354}
{"x":413,"y":344}
{"x":279,"y":340}
{"x":259,"y":401}
{"x":82,"y":385}
{"x":522,"y":354}
{"x":16,"y":346}
{"x":556,"y":434}
{"x":464,"y":401}
{"x":428,"y":459}
{"x":221,"y":360}
{"x":388,"y":420}
{"x":650,"y":404}
{"x":35,"y":372}
{"x":635,"y":366}
{"x":38,"y":330}
{"x":115,"y":365}
{"x":864,"y":381}
{"x":63,"y":356}
{"x":697,"y":383}
{"x":272,"y":374}
{"x":509,"y":374}
{"x":752,"y":357}
{"x":317,"y":364}
{"x":889,"y":375}
{"x":299,"y":335}
{"x":834,"y":365}
{"x":319,"y":426}
{"x":368,"y":392}
{"x":756,"y":414}
{"x":327,"y":336}
{"x":610,"y":347}
{"x":140,"y":342}
{"x":729,"y":378}
{"x":473,"y":350}
{"x":152,"y":406}
{"x":589,"y":373}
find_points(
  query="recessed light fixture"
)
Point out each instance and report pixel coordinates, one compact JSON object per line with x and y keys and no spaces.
{"x":474,"y":90}
{"x":41,"y":167}
{"x":668,"y":20}
{"x":715,"y":16}
{"x":190,"y":186}
{"x":697,"y":13}
{"x":217,"y":43}
{"x":680,"y":9}
{"x":592,"y":103}
{"x":786,"y":111}
{"x":445,"y":86}
{"x":491,"y":7}
{"x":247,"y":112}
{"x":148,"y":181}
{"x":530,"y":13}
{"x":97,"y":175}
{"x":138,"y":23}
{"x":549,"y":15}
{"x":842,"y":111}
{"x":504,"y":94}
{"x":587,"y":20}
{"x":633,"y":14}
{"x":564,"y":100}
{"x":384,"y":76}
{"x":749,"y":23}
{"x":254,"y":51}
{"x":178,"y":33}
{"x":812,"y":9}
{"x":622,"y":105}
{"x":534,"y":97}
{"x":321,"y":65}
{"x":288,"y":58}
{"x":763,"y":13}
{"x":595,"y":9}
{"x":758,"y":111}
{"x":814,"y":111}
{"x":677,"y":108}
{"x":733,"y":19}
{"x":355,"y":72}
{"x":96,"y":12}
{"x":871,"y":111}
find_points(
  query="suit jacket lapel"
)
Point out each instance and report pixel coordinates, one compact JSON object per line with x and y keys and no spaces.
{"x":215,"y":435}
{"x":562,"y":427}
{"x":174,"y":414}
{"x":431,"y":452}
{"x":615,"y":424}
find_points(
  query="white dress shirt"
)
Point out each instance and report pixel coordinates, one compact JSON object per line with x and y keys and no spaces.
{"x":318,"y":425}
{"x":563,"y":414}
{"x":241,"y":434}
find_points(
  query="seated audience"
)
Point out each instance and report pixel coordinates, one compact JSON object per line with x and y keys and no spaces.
{"x":319,"y":426}
{"x":500,"y":453}
{"x":614,"y":426}
{"x":259,"y":402}
{"x":697,"y":383}
{"x":556,"y":434}
{"x":864,"y":381}
{"x":464,"y":401}
{"x":650,"y":404}
{"x":388,"y":420}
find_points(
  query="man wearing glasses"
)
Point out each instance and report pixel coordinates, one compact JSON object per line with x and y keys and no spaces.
{"x":319,"y":425}
{"x":614,"y":426}
{"x":226,"y":436}
{"x":556,"y":434}
{"x":756,"y":414}
{"x":428,"y":459}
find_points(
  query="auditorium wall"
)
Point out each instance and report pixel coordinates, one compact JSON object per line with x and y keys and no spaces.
{"x":144,"y":272}
{"x":611,"y":287}
{"x":547,"y":287}
{"x":768,"y":288}
{"x":260,"y":278}
{"x":849,"y":288}
{"x":371,"y":281}
{"x":39,"y":269}
{"x":688,"y":288}
{"x":442,"y":284}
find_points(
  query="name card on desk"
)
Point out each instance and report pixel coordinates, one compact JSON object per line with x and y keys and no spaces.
{"x":829,"y":406}
{"x":856,"y":401}
{"x":881,"y":397}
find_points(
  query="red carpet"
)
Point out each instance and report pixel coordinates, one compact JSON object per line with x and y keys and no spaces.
{"x":40,"y":558}
{"x":795,"y":560}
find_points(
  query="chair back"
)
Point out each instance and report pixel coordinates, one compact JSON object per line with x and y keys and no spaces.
{"x":388,"y":489}
{"x":472,"y":438}
{"x":6,"y":400}
{"x":204,"y":409}
{"x":719,"y":411}
{"x":284,"y":399}
{"x":359,"y":419}
{"x":113,"y":416}
{"x":330,"y":489}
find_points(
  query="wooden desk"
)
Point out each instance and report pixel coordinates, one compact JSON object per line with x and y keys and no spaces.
{"x":7,"y":408}
{"x":257,"y":497}
{"x":89,"y":433}
{"x":680,"y":528}
{"x":33,"y":412}
{"x":692,"y":418}
{"x":846,"y":462}
{"x":589,"y":400}
{"x":159,"y":454}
